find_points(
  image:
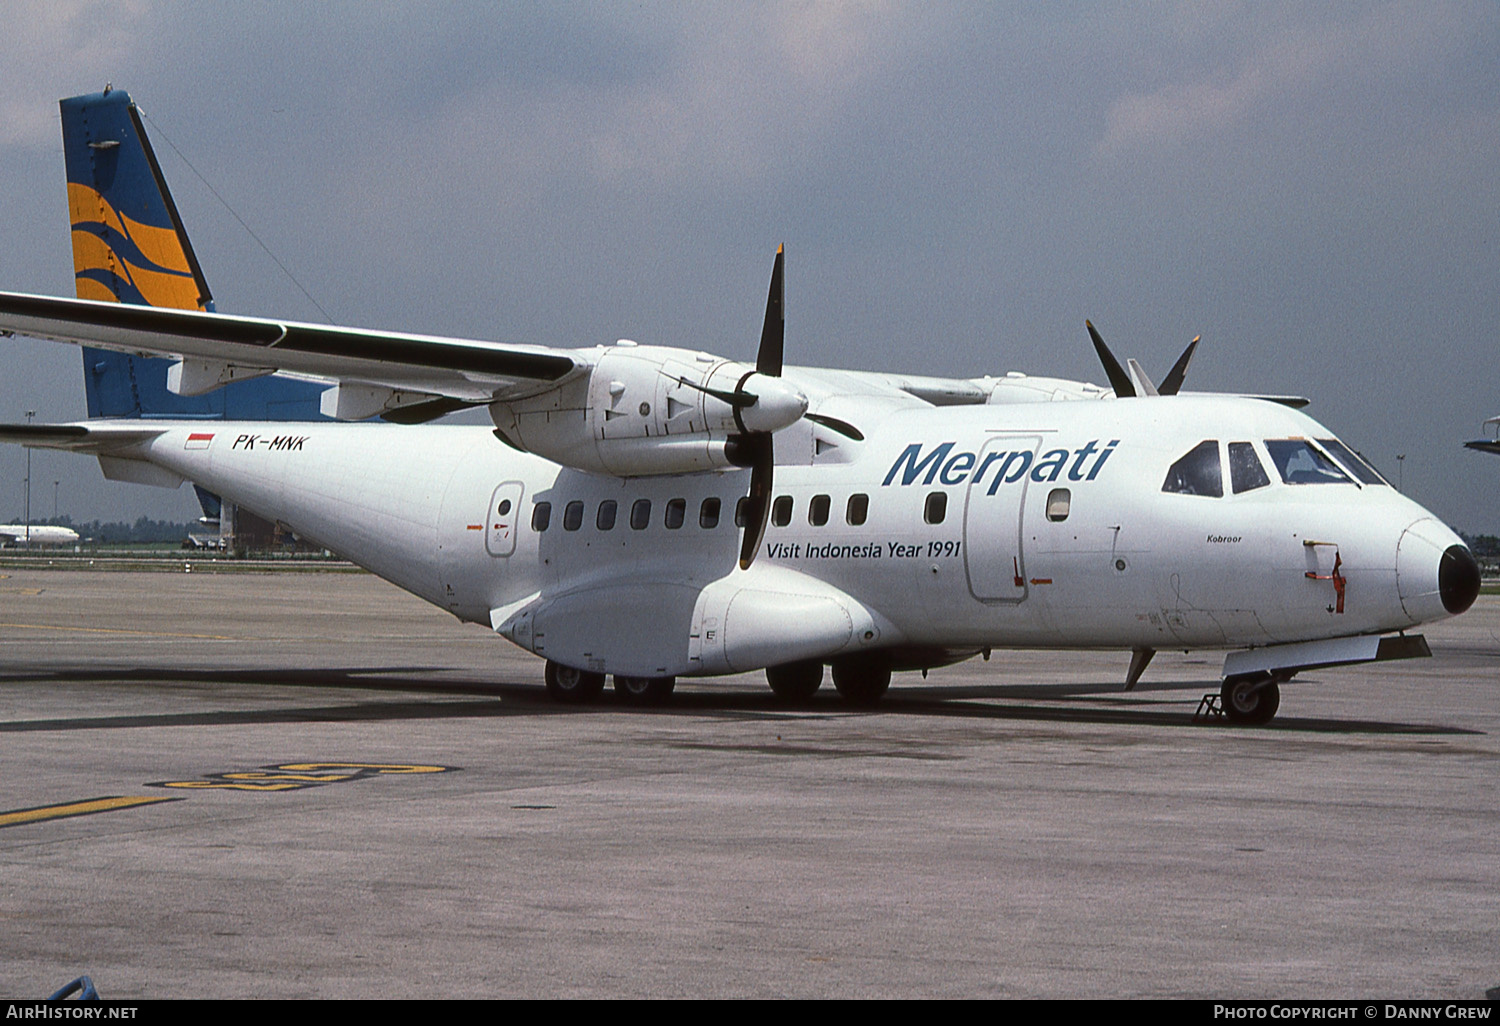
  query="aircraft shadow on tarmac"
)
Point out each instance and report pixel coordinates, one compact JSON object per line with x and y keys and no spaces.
{"x":429,"y":698}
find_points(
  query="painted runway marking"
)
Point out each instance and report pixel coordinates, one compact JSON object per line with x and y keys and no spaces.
{"x":120,"y":630}
{"x":83,"y":808}
{"x":290,"y":776}
{"x":295,"y":776}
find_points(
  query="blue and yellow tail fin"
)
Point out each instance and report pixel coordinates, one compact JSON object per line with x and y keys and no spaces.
{"x":129,"y":246}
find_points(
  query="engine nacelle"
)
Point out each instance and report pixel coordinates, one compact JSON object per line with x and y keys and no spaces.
{"x":646,"y":410}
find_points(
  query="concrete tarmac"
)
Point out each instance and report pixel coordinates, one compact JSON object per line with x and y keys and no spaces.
{"x":372,"y":800}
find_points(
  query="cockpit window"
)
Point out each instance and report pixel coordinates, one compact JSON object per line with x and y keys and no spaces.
{"x":1197,"y":473}
{"x":1352,"y":461}
{"x":1245,"y":472}
{"x":1299,"y":463}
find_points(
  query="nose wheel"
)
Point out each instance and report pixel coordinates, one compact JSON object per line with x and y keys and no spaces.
{"x":1250,"y":699}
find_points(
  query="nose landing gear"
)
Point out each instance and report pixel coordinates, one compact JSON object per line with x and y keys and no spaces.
{"x":1251,"y":699}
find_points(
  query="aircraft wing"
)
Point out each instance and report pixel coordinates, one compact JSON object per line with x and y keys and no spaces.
{"x":215,"y":349}
{"x":1487,"y":444}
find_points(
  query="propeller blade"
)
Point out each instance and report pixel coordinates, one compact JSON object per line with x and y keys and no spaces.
{"x":756,"y":447}
{"x":758,"y":510}
{"x":1118,"y":379}
{"x":843,"y":427}
{"x":1173,"y":381}
{"x":773,"y":335}
{"x":739,"y":399}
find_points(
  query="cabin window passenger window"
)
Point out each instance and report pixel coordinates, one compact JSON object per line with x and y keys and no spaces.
{"x":605,"y":520}
{"x":708,"y":514}
{"x":541,"y":516}
{"x":1197,"y":473}
{"x":781,"y":510}
{"x":573,"y":516}
{"x":1299,"y":463}
{"x":640,"y":514}
{"x":1059,"y":504}
{"x":676,"y":513}
{"x":1245,"y":472}
{"x":858,"y":510}
{"x":1352,"y":461}
{"x":742,"y":511}
{"x":936,"y":508}
{"x":817,"y":510}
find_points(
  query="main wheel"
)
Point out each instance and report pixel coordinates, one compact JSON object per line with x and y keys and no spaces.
{"x":566,"y":684}
{"x":1250,"y":699}
{"x":644,"y":690}
{"x":862,"y":680}
{"x":795,"y":682}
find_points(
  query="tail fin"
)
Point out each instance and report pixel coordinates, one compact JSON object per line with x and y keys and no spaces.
{"x":129,"y":246}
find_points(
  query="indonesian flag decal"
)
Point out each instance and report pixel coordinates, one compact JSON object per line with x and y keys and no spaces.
{"x":199,"y":440}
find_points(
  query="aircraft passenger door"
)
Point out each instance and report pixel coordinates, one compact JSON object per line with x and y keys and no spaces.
{"x":993,"y":557}
{"x":504,"y":519}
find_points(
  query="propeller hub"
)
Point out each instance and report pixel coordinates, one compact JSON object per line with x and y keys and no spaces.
{"x":777,"y":404}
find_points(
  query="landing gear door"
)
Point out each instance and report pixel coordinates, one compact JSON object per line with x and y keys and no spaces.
{"x":993,"y":557}
{"x":503,"y":520}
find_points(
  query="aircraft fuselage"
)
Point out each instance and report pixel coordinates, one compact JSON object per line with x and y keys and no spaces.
{"x":945,"y":531}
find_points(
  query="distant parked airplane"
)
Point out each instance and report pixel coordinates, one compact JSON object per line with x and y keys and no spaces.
{"x":36,"y":534}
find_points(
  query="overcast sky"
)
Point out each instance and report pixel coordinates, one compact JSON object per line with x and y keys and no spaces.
{"x":1313,"y":188}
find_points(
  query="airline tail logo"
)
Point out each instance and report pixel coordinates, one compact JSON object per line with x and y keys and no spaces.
{"x":118,"y":259}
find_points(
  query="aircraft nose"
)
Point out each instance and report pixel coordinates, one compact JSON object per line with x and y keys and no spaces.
{"x":1436,"y":575}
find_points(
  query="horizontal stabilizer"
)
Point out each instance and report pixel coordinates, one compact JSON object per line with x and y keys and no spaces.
{"x":85,"y":438}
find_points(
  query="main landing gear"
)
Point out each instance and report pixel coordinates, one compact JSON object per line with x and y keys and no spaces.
{"x":795,"y":683}
{"x":576,"y":687}
{"x":644,"y":690}
{"x":860,"y":680}
{"x":1251,"y":699}
{"x":565,"y":684}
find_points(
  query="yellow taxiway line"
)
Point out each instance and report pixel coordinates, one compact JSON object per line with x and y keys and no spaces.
{"x":83,"y":808}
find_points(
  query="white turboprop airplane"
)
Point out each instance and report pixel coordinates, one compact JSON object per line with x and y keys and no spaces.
{"x":36,"y":534}
{"x":652,"y":512}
